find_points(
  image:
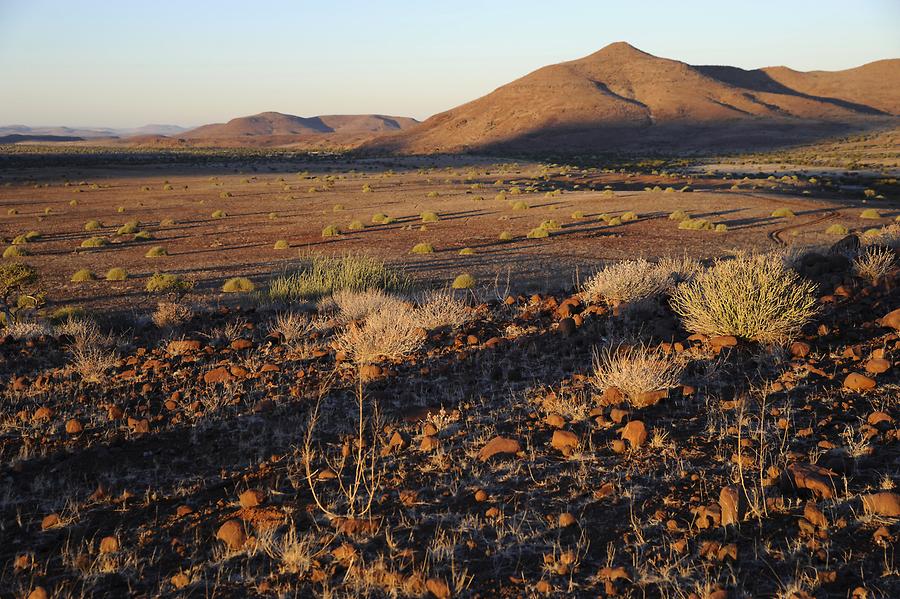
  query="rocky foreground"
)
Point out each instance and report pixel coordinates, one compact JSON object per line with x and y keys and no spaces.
{"x":497,"y":465}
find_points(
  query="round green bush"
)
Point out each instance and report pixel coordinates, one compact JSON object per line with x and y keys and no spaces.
{"x":837,"y":229}
{"x":94,"y":242}
{"x":331,"y":231}
{"x":116,"y":274}
{"x":238,"y":285}
{"x":538,"y":233}
{"x":156,"y":251}
{"x":82,"y":276}
{"x":281,"y":244}
{"x":93,"y":225}
{"x":14,"y":251}
{"x":467,"y":252}
{"x":129,"y":228}
{"x":429,"y":217}
{"x":870,"y":213}
{"x":505,"y":236}
{"x":783,"y":213}
{"x":463,"y":281}
{"x":422,"y":248}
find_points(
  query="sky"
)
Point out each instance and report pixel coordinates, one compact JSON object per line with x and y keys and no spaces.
{"x":126,"y":63}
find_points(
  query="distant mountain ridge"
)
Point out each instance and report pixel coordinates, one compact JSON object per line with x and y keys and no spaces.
{"x":83,"y":133}
{"x":279,"y":124}
{"x":621,"y":97}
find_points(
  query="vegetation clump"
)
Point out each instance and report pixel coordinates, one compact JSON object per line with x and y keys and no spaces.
{"x":94,"y":242}
{"x":82,"y":275}
{"x":167,"y":283}
{"x":463,"y":281}
{"x":422,"y":248}
{"x":331,"y":231}
{"x":238,"y":285}
{"x":156,"y":251}
{"x":116,"y":274}
{"x":325,"y":275}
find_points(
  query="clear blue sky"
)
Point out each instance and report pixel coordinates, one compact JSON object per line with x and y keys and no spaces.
{"x":188,"y":62}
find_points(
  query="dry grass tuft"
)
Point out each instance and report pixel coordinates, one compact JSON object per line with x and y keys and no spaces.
{"x":873,"y":262}
{"x":634,"y":370}
{"x":390,"y":333}
{"x":171,"y":314}
{"x":442,"y":308}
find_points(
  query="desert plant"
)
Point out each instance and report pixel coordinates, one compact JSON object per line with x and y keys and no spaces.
{"x":695,"y":224}
{"x":752,"y":296}
{"x":520,"y":205}
{"x":429,"y":217}
{"x":92,"y":361}
{"x":172,"y":314}
{"x":678,"y":215}
{"x":636,"y":370}
{"x":467,"y":252}
{"x":577,"y":215}
{"x":15,"y":277}
{"x":238,"y":285}
{"x":14,"y":251}
{"x":873,"y":262}
{"x":837,"y":229}
{"x":538,"y":233}
{"x":129,"y":228}
{"x":629,"y":216}
{"x":167,"y":283}
{"x":324,"y":275}
{"x":356,"y":225}
{"x":614,"y":221}
{"x":218,"y":214}
{"x":390,"y":333}
{"x":82,"y":276}
{"x":721,"y":228}
{"x":281,"y":244}
{"x":550,"y":225}
{"x":783,"y":213}
{"x":463,"y":281}
{"x":156,"y":251}
{"x":93,"y":225}
{"x":143,"y":236}
{"x":629,"y":282}
{"x":94,"y":242}
{"x":442,"y":308}
{"x":116,"y":274}
{"x":422,"y":248}
{"x":870,"y":213}
{"x":505,"y":236}
{"x":380,"y":218}
{"x":331,"y":231}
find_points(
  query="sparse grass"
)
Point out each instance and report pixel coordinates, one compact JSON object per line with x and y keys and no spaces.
{"x":281,"y":244}
{"x":93,"y":225}
{"x":721,"y":228}
{"x":752,"y":296}
{"x":519,"y":205}
{"x":331,"y":231}
{"x":442,"y":308}
{"x":380,"y":218}
{"x":577,"y":215}
{"x":116,"y":274}
{"x":629,"y":216}
{"x":538,"y":233}
{"x":15,"y":251}
{"x":783,"y":213}
{"x":218,"y":214}
{"x":95,"y":242}
{"x":837,"y":229}
{"x":82,"y":276}
{"x":550,"y":225}
{"x":390,"y":333}
{"x":678,"y":215}
{"x":238,"y":285}
{"x":505,"y":236}
{"x":429,"y":217}
{"x":171,"y":314}
{"x":463,"y":281}
{"x":167,"y":283}
{"x":635,"y":370}
{"x":870,"y":213}
{"x":695,"y":224}
{"x":422,"y":248}
{"x":129,"y":228}
{"x":873,"y":262}
{"x":156,"y":251}
{"x":143,"y":236}
{"x":325,"y":275}
{"x":467,"y":252}
{"x":629,"y":282}
{"x":356,"y":225}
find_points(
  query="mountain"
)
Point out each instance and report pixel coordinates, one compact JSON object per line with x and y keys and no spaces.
{"x":275,"y":128}
{"x":623,"y":98}
{"x":14,"y":133}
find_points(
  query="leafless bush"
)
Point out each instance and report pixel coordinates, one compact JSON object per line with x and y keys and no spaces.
{"x":873,"y":262}
{"x":26,"y":330}
{"x":349,"y":305}
{"x":635,"y":369}
{"x":171,"y":314}
{"x":92,"y":361}
{"x":294,"y":326}
{"x":442,"y":308}
{"x":629,"y":282}
{"x":392,"y":333}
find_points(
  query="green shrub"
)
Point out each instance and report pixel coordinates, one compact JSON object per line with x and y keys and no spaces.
{"x":783,"y":213}
{"x":433,"y":194}
{"x":870,"y":213}
{"x":156,"y":251}
{"x":463,"y":281}
{"x":551,"y":225}
{"x":94,"y":242}
{"x":143,"y":236}
{"x":520,"y":205}
{"x":467,"y":252}
{"x":577,"y":215}
{"x":753,"y":296}
{"x":281,"y":244}
{"x":116,"y":274}
{"x":538,"y":233}
{"x":167,"y":222}
{"x":129,"y":228}
{"x":429,"y":217}
{"x":331,"y":231}
{"x":356,"y":225}
{"x":678,"y":215}
{"x":167,"y":283}
{"x":82,"y":275}
{"x":93,"y":225}
{"x":367,"y":188}
{"x":614,"y":221}
{"x":505,"y":236}
{"x":381,"y":218}
{"x":422,"y":248}
{"x":323,"y":275}
{"x":238,"y":285}
{"x":225,"y":195}
{"x":629,"y":217}
{"x":721,"y":228}
{"x":218,"y":214}
{"x":14,"y":251}
{"x":695,"y":224}
{"x":837,"y":229}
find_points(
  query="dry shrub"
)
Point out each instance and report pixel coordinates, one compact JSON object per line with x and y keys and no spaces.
{"x":873,"y":262}
{"x":391,"y":333}
{"x":753,"y":296}
{"x":92,"y":361}
{"x":635,"y":369}
{"x":171,"y":314}
{"x":25,"y":330}
{"x":441,"y":308}
{"x":357,"y":305}
{"x":294,"y":326}
{"x":629,"y":282}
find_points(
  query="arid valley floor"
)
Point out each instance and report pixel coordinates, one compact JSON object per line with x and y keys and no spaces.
{"x":535,"y":429}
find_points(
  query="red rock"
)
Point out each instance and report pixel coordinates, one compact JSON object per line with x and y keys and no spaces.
{"x":481,"y":495}
{"x":42,"y":414}
{"x":814,"y":515}
{"x":270,"y":368}
{"x":618,"y":415}
{"x":252,"y":498}
{"x":232,"y":534}
{"x":635,"y":432}
{"x":800,"y":349}
{"x":564,"y":441}
{"x":50,"y":521}
{"x":877,"y":366}
{"x":109,"y":544}
{"x":218,"y":375}
{"x":892,"y":320}
{"x":567,"y":519}
{"x":73,"y":427}
{"x":814,"y":478}
{"x":618,"y":446}
{"x":650,"y":398}
{"x":876,"y":418}
{"x":555,"y":420}
{"x":38,"y":593}
{"x":429,"y":443}
{"x":722,"y":341}
{"x":499,"y":446}
{"x":241,"y":344}
{"x":732,"y":504}
{"x":370,"y":371}
{"x":438,"y":588}
{"x":884,"y":503}
{"x":858,"y":382}
{"x":182,"y":346}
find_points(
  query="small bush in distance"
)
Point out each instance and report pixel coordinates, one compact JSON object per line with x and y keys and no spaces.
{"x":116,"y":274}
{"x":156,"y":251}
{"x":783,"y":213}
{"x":837,"y":229}
{"x":429,"y":217}
{"x":94,"y":242}
{"x":167,"y":283}
{"x":463,"y":281}
{"x":331,"y":231}
{"x":238,"y":285}
{"x":422,"y":248}
{"x":82,"y":275}
{"x":870,"y":213}
{"x":93,"y":225}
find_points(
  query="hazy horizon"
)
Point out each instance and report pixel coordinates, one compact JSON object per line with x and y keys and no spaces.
{"x":103,"y":65}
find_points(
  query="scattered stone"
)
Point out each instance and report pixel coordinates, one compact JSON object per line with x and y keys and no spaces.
{"x":481,"y":495}
{"x":218,"y":375}
{"x":564,"y":441}
{"x":858,"y":382}
{"x":73,"y":427}
{"x":814,"y":515}
{"x":732,"y":504}
{"x":252,"y":498}
{"x":723,"y":341}
{"x":38,"y":593}
{"x":182,"y":346}
{"x":50,"y":521}
{"x":109,"y":544}
{"x":800,"y":349}
{"x":499,"y":446}
{"x":635,"y":432}
{"x":241,"y":344}
{"x":232,"y":534}
{"x":438,"y":588}
{"x":429,"y":443}
{"x":812,"y":477}
{"x":877,"y":366}
{"x":884,"y":503}
{"x":892,"y":320}
{"x":555,"y":420}
{"x":567,"y":519}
